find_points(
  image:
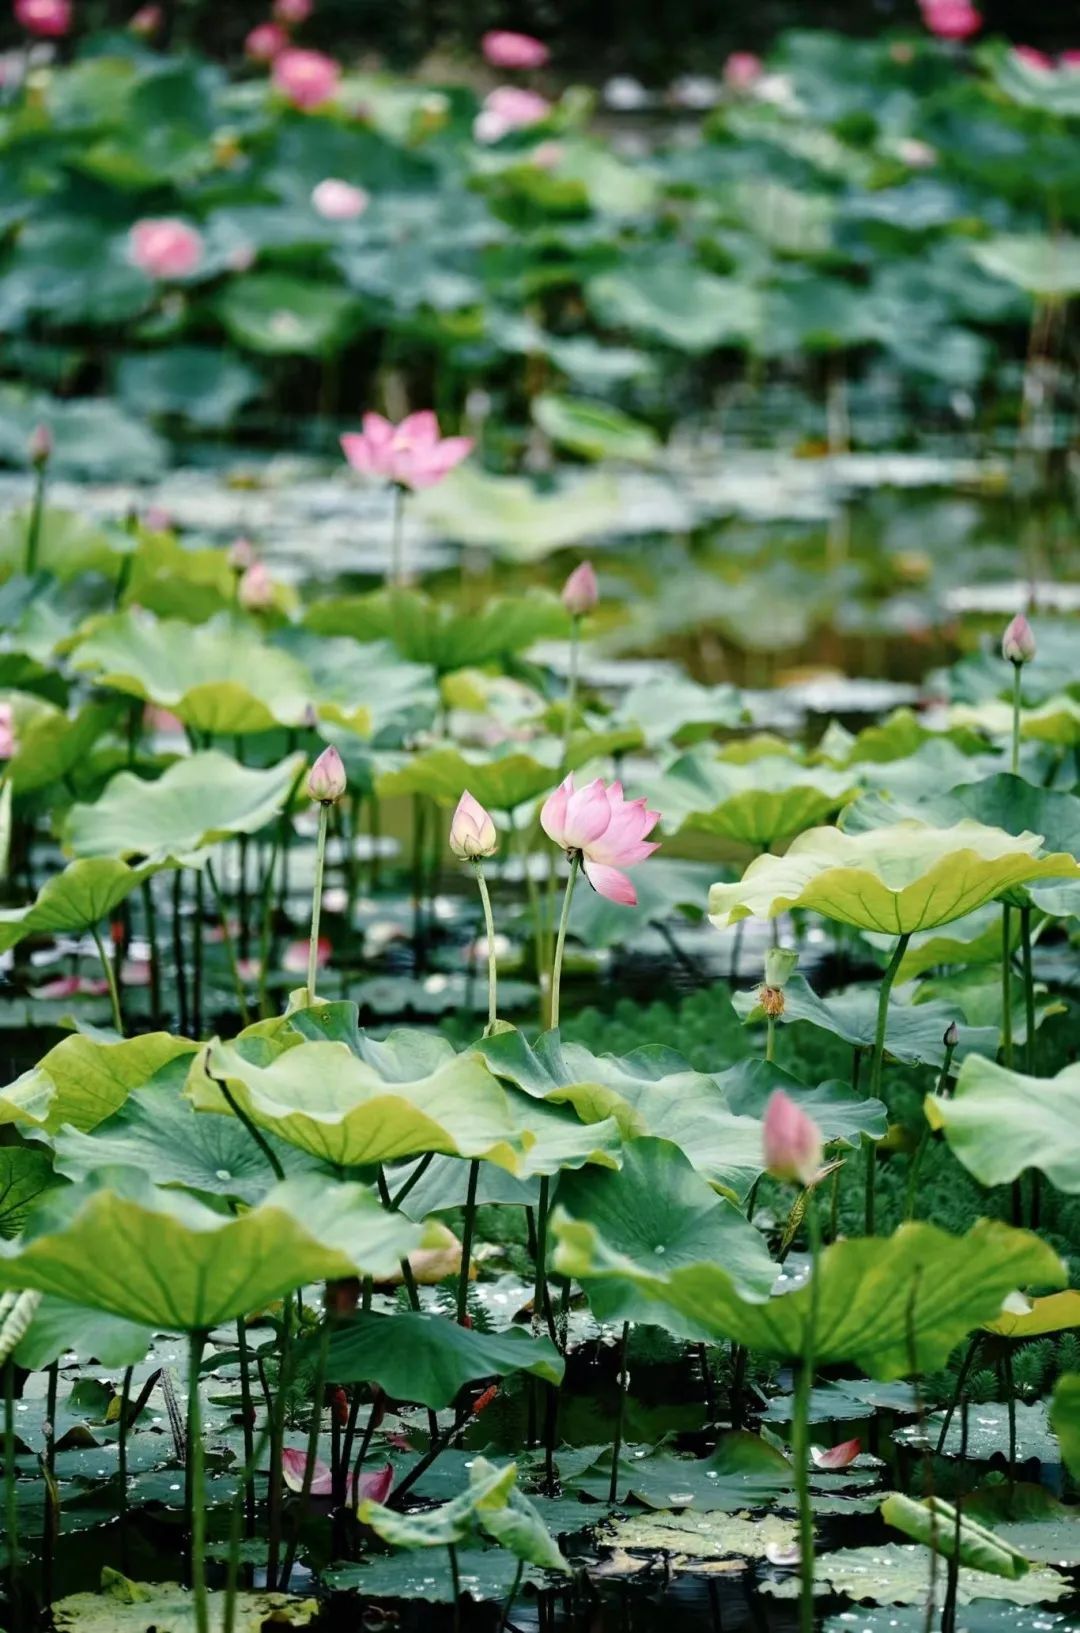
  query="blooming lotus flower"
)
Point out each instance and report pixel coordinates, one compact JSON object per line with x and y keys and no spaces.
{"x":472,"y":832}
{"x":1018,"y":642}
{"x":793,"y":1142}
{"x":255,"y":590}
{"x":507,"y":108}
{"x":338,"y":200}
{"x":411,"y":454}
{"x":836,"y":1457}
{"x":503,"y":48}
{"x":326,"y":779}
{"x":295,"y":957}
{"x":8,"y":744}
{"x":165,"y":247}
{"x":742,"y":69}
{"x":265,"y":42}
{"x":951,"y":19}
{"x":605,"y":828}
{"x":307,"y":79}
{"x":48,"y":19}
{"x":581,"y":592}
{"x":292,"y":12}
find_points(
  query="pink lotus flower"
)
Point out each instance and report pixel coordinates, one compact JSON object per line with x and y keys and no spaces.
{"x":742,"y":69}
{"x":836,"y":1457}
{"x":326,"y":779}
{"x":951,"y":19}
{"x":411,"y":454}
{"x":376,"y":1485}
{"x":48,"y":19}
{"x":581,"y":592}
{"x":793,"y":1142}
{"x":503,"y":48}
{"x":265,"y":42}
{"x":8,"y":744}
{"x":608,"y":830}
{"x":1030,"y":57}
{"x":1018,"y":641}
{"x":292,"y":12}
{"x":147,"y":22}
{"x":507,"y":108}
{"x":307,"y":79}
{"x":255,"y":590}
{"x":472,"y":832}
{"x":339,"y":200}
{"x":165,"y":247}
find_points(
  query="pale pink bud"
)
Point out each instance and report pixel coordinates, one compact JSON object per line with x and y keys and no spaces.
{"x":503,"y":48}
{"x":241,"y":555}
{"x":306,"y":78}
{"x":1031,"y":57}
{"x":581,"y":592}
{"x":165,"y":247}
{"x":265,"y":42}
{"x":326,"y":779}
{"x":39,"y":446}
{"x":256,"y":589}
{"x":793,"y":1142}
{"x":742,"y":69}
{"x":48,"y":19}
{"x":147,"y":21}
{"x":1018,"y":642}
{"x":472,"y":832}
{"x":338,"y":200}
{"x":292,"y":12}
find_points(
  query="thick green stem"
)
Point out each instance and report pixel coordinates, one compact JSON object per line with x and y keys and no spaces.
{"x":229,"y":945}
{"x":1029,"y":989}
{"x":466,"y":1244}
{"x":316,"y":901}
{"x":37,"y":511}
{"x":560,"y":945}
{"x":877,"y":1061}
{"x":1017,"y":704}
{"x":198,"y":1486}
{"x":247,"y":1409}
{"x":570,"y":705}
{"x":150,"y":915}
{"x":620,"y":1413}
{"x":455,"y":1581}
{"x":770,"y":1039}
{"x":801,"y":1427}
{"x":397,"y":537}
{"x":277,"y":1439}
{"x":110,"y":975}
{"x":1006,"y":985}
{"x":492,"y":962}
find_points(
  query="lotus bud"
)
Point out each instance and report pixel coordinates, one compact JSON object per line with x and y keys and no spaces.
{"x":241,"y":555}
{"x":40,"y":446}
{"x":792,"y":1140}
{"x":326,"y":779}
{"x":952,"y":1035}
{"x":780,"y":965}
{"x":581,"y":592}
{"x":472,"y":833}
{"x":1018,"y":642}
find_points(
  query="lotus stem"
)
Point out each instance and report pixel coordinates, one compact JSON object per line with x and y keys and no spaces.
{"x":570,"y":703}
{"x":228,"y":944}
{"x":304,"y":1503}
{"x":196,"y":1479}
{"x":770,"y":1040}
{"x":455,"y":1581}
{"x":316,"y":901}
{"x":51,"y":1516}
{"x":515,"y":1586}
{"x":197,"y":956}
{"x":110,"y":976}
{"x":876,"y":1065}
{"x":150,"y":915}
{"x":801,"y":1426}
{"x":1029,"y":988}
{"x":560,"y":945}
{"x":37,"y":512}
{"x":961,"y":1379}
{"x":924,"y":1138}
{"x":466,"y":1244}
{"x":277,"y":1438}
{"x":396,"y":575}
{"x":121,"y":1460}
{"x":247,"y":1408}
{"x":1006,"y":986}
{"x":492,"y":962}
{"x":11,"y":1509}
{"x":1017,"y":704}
{"x":179,"y":969}
{"x":620,"y":1412}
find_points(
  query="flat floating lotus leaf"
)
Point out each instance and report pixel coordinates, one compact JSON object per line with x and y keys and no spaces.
{"x":500,"y":783}
{"x":987,"y":1433}
{"x":898,"y":737}
{"x":1043,"y":265}
{"x":743,"y":1471}
{"x":1000,"y":1122}
{"x":60,"y":1326}
{"x":933,"y":1522}
{"x":161,"y":1257}
{"x":694,"y":1538}
{"x":981,"y":1615}
{"x":676,"y":709}
{"x":897,"y":1574}
{"x":25,"y":1175}
{"x":323,"y":1099}
{"x":760,"y":804}
{"x":658,"y":1207}
{"x":1065,"y":1420}
{"x":135,"y":1607}
{"x":219,"y":677}
{"x":914,"y":1032}
{"x":595,"y":430}
{"x":1055,"y":1313}
{"x":897,"y":880}
{"x":1057,"y":721}
{"x":850,"y":1401}
{"x":428,"y":1358}
{"x":485,"y":1574}
{"x":430,"y":632}
{"x":510,"y":516}
{"x":83,"y":1080}
{"x":919,"y":1289}
{"x":81,"y":896}
{"x":197,"y":802}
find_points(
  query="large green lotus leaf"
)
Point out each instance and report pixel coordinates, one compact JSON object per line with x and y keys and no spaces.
{"x":136,"y":1607}
{"x":430,"y":631}
{"x":367,"y":687}
{"x":416,"y":1356}
{"x":489,"y":1487}
{"x":897,"y":1574}
{"x":974,"y":996}
{"x":842,"y":1114}
{"x":1065,"y":1420}
{"x":1054,"y":1313}
{"x":159,"y":1132}
{"x":81,"y":896}
{"x":26,"y":1173}
{"x":58,"y":1326}
{"x":914,"y":1033}
{"x":486,"y":1574}
{"x":744,"y":1471}
{"x":981,"y":1615}
{"x":899,"y":737}
{"x":761,"y":804}
{"x":217,"y":677}
{"x":68,"y":546}
{"x":500,"y":783}
{"x":665,"y":888}
{"x":120,"y":1244}
{"x":676,"y":709}
{"x":283,"y":316}
{"x":884,"y":1305}
{"x":83,"y":1080}
{"x":1000,"y":1122}
{"x":509,"y":515}
{"x":659,"y":1207}
{"x":933,"y":1522}
{"x":50,"y":743}
{"x":1057,"y":721}
{"x":202,"y":384}
{"x":974,"y":939}
{"x":693,"y":1538}
{"x":987,"y":1432}
{"x":677,"y":303}
{"x":596,"y":430}
{"x":323,"y":1099}
{"x":1045,"y":266}
{"x":897,"y":880}
{"x":197,"y":802}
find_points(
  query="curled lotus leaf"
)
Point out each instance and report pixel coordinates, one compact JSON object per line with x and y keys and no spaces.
{"x":81,"y":896}
{"x":82,"y":1080}
{"x":1000,"y":1122}
{"x":759,"y":804}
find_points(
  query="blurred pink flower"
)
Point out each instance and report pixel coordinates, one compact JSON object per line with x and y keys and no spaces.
{"x":742,"y":69}
{"x":147,"y":21}
{"x":507,"y":108}
{"x":72,"y":986}
{"x":581,"y":592}
{"x":547,"y":155}
{"x":295,"y":957}
{"x":307,"y":79}
{"x":241,"y":555}
{"x":255,"y":590}
{"x":915,"y":154}
{"x":951,"y":19}
{"x":48,"y":19}
{"x":1033,"y":58}
{"x":1070,"y":60}
{"x":412,"y":454}
{"x":165,"y":247}
{"x":792,"y":1140}
{"x":472,"y":832}
{"x":8,"y":744}
{"x":265,"y":42}
{"x":338,"y":200}
{"x":39,"y":445}
{"x":503,"y":48}
{"x":292,"y":12}
{"x":375,"y":1485}
{"x":608,"y":829}
{"x":836,"y":1457}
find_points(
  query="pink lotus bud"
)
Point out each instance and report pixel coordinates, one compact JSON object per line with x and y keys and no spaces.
{"x":147,"y":22}
{"x":307,"y":79}
{"x":265,"y":42}
{"x":581,"y":592}
{"x":326,"y":779}
{"x":338,"y":200}
{"x":8,"y":744}
{"x":793,"y":1142}
{"x":1018,"y":642}
{"x":742,"y":69}
{"x":39,"y":446}
{"x":951,"y":19}
{"x":292,"y":12}
{"x":472,"y":832}
{"x":241,"y":555}
{"x":507,"y":108}
{"x":503,"y":48}
{"x":951,"y":1036}
{"x":48,"y":19}
{"x":256,"y":589}
{"x":165,"y":247}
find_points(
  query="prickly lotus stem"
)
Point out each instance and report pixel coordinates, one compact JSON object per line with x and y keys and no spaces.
{"x":16,"y":1313}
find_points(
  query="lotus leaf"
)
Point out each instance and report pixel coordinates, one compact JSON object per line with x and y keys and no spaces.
{"x":499,"y":783}
{"x":83,"y":1080}
{"x":1057,"y":721}
{"x":896,"y":1574}
{"x":595,"y":430}
{"x":79,"y":898}
{"x":743,"y":1471}
{"x":132,"y":1607}
{"x":60,"y":1327}
{"x":1000,"y":1122}
{"x":693,"y":1538}
{"x":25,"y":1175}
{"x":933,"y":1522}
{"x":1065,"y":1419}
{"x":428,"y":631}
{"x":1054,"y":1313}
{"x":761,"y":804}
{"x":509,"y":515}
